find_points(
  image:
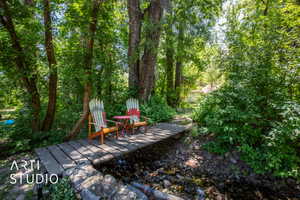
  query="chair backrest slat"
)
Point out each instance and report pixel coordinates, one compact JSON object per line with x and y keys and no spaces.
{"x":98,"y":114}
{"x":133,"y":110}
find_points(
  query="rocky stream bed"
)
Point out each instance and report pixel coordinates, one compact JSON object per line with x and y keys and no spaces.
{"x":182,"y":168}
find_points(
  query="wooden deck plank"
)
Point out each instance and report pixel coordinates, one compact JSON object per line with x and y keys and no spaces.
{"x":171,"y":127}
{"x":66,"y":155}
{"x":73,"y":153}
{"x":121,"y":149}
{"x":51,"y":165}
{"x":164,"y":133}
{"x":83,"y":150}
{"x":98,"y":151}
{"x":125,"y":142}
{"x":100,"y":154}
{"x":65,"y":161}
{"x":126,"y":147}
{"x":151,"y":137}
{"x":112,"y":152}
{"x":137,"y":141}
{"x":161,"y":135}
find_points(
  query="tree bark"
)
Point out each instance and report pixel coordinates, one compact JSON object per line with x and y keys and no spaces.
{"x":135,"y":23}
{"x":52,"y":95}
{"x":178,"y":71}
{"x":88,"y":67}
{"x":23,"y":68}
{"x":148,"y":62}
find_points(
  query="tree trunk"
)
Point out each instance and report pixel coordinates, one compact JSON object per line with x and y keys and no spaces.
{"x":147,"y":67}
{"x":135,"y":23}
{"x":88,"y":67}
{"x":178,"y":73}
{"x":23,"y":69}
{"x":49,"y":118}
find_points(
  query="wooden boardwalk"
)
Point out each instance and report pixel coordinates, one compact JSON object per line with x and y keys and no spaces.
{"x":59,"y":158}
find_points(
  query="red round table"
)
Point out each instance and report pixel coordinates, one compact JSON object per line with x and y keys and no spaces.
{"x":124,"y":121}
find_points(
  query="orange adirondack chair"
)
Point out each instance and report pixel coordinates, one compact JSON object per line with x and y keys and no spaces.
{"x":97,"y":117}
{"x":135,"y":115}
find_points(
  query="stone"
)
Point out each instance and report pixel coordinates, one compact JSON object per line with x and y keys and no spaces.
{"x":126,"y":192}
{"x":88,"y":195}
{"x":161,"y":170}
{"x":200,"y":194}
{"x":141,"y":195}
{"x":233,"y":160}
{"x":109,"y":185}
{"x":167,"y":183}
{"x":80,"y":173}
{"x":180,"y":177}
{"x":92,"y":187}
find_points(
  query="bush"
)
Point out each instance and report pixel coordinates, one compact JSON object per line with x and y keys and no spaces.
{"x":265,"y":132}
{"x":62,"y":190}
{"x":157,"y":110}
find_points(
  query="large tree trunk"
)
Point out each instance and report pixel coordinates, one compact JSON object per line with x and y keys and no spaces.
{"x":178,"y":73}
{"x":88,"y":67}
{"x":147,"y":67}
{"x":135,"y":23}
{"x":23,"y":68}
{"x":49,"y":118}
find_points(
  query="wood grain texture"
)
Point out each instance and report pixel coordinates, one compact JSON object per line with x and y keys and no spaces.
{"x":51,"y":165}
{"x":72,"y":153}
{"x":65,"y":161}
{"x":67,"y":155}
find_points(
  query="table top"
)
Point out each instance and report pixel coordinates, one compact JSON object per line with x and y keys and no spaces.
{"x":122,"y":117}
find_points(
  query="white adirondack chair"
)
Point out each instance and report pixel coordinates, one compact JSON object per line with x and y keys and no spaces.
{"x":133,"y":111}
{"x":97,"y":118}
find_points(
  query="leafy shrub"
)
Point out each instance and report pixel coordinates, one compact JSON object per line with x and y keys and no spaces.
{"x":62,"y":190}
{"x":157,"y":110}
{"x":266,"y":133}
{"x":19,"y":136}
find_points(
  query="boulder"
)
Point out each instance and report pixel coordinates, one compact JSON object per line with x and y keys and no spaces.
{"x":109,"y":185}
{"x":91,"y":188}
{"x":127,"y":192}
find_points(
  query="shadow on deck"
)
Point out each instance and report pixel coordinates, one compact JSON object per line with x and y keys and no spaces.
{"x":61,"y":157}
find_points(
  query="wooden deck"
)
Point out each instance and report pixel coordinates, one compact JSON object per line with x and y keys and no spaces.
{"x":58,"y":158}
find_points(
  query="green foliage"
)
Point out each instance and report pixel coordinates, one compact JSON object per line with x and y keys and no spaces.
{"x":19,"y":136}
{"x":62,"y":190}
{"x":257,"y":111}
{"x":157,"y":110}
{"x":268,"y":141}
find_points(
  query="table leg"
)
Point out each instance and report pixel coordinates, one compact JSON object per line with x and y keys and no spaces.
{"x":126,"y":126}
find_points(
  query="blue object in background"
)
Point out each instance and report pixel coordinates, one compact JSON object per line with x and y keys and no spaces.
{"x":9,"y":122}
